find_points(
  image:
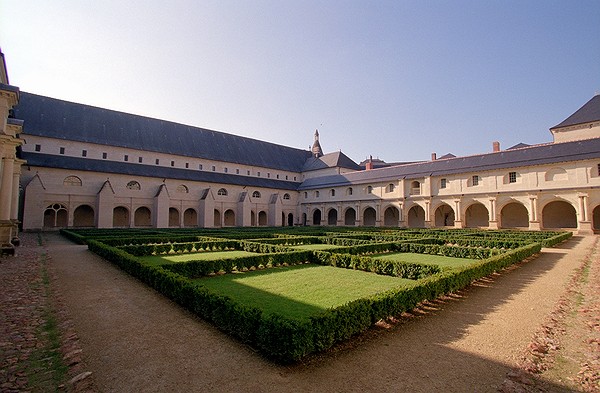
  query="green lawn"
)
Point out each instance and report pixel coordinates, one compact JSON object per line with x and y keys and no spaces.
{"x":315,"y":246}
{"x":426,"y":259}
{"x":194,"y":256}
{"x":300,"y":291}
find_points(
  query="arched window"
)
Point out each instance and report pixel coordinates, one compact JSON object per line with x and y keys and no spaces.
{"x":317,"y":193}
{"x":222,"y":191}
{"x":256,"y":194}
{"x":332,"y":192}
{"x":72,"y":181}
{"x":286,"y":196}
{"x":415,"y":188}
{"x":182,"y":188}
{"x":133,"y":185}
{"x":369,"y":189}
{"x":391,"y":187}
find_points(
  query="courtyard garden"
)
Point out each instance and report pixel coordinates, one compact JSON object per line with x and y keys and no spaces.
{"x":292,"y":292}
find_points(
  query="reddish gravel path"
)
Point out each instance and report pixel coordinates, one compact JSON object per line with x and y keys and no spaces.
{"x":134,"y":339}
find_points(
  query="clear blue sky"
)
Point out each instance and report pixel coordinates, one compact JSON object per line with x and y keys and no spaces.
{"x":394,"y":79}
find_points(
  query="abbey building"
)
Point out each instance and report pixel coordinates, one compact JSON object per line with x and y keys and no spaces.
{"x":68,"y":164}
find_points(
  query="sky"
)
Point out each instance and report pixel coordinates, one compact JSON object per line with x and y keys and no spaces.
{"x":397,"y":80}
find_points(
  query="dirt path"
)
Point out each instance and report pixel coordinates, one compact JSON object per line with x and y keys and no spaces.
{"x":136,"y":340}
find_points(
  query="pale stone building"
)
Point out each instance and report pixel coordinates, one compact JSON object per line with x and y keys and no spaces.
{"x":93,"y":167}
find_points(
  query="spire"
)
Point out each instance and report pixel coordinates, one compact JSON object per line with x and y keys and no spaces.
{"x":316,"y":147}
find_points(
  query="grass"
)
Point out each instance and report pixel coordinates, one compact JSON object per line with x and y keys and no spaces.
{"x":315,"y":247}
{"x":156,"y":260}
{"x":426,"y":259}
{"x":300,"y":291}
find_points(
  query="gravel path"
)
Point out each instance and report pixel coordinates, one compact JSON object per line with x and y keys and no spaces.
{"x":134,"y":339}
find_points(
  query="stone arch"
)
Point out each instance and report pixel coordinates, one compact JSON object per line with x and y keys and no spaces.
{"x":514,"y":215}
{"x":444,"y":216}
{"x":229,"y":218}
{"x":190,"y":218}
{"x":369,"y":217}
{"x":83,"y":216}
{"x":262,"y":218}
{"x":290,"y":220}
{"x":56,"y":216}
{"x":556,"y":174}
{"x":72,"y":181}
{"x":350,"y":216}
{"x":216,"y":218}
{"x":477,"y":216}
{"x":332,"y":216}
{"x":173,"y":217}
{"x":142,"y":217}
{"x":596,"y":218}
{"x":391,"y":216}
{"x":120,"y":217}
{"x":416,"y":217}
{"x":316,"y":217}
{"x":559,"y":214}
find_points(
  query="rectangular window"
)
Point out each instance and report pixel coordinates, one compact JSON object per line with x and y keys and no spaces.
{"x":278,"y":176}
{"x":512,"y":177}
{"x":258,"y":174}
{"x":104,"y":156}
{"x":125,"y":157}
{"x":157,"y":161}
{"x":62,"y":150}
{"x":38,"y":147}
{"x":294,"y":178}
{"x":237,"y":171}
{"x":443,"y":183}
{"x":140,"y":160}
{"x":213,"y":168}
{"x":172,"y":163}
{"x":268,"y":175}
{"x":248,"y":173}
{"x":286,"y":177}
{"x":187,"y":164}
{"x":475,"y":180}
{"x":200,"y":166}
{"x":225,"y":170}
{"x":598,"y":169}
{"x":84,"y":153}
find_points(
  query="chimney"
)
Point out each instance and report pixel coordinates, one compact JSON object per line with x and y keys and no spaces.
{"x":433,"y":156}
{"x":369,"y":164}
{"x":496,"y":146}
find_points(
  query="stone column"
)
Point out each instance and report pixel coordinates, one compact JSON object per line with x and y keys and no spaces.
{"x":584,"y":224}
{"x":534,"y":222}
{"x":457,"y":214}
{"x":6,"y":186}
{"x":427,"y":214}
{"x":493,"y":217}
{"x":14,"y":209}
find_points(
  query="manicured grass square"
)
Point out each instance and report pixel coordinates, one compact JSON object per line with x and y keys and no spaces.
{"x":427,"y":259}
{"x":300,"y":291}
{"x":156,"y":260}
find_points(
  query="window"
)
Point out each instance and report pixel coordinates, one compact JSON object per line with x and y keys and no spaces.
{"x":443,"y":183}
{"x":475,"y":180}
{"x":38,"y":147}
{"x":286,"y":177}
{"x":187,"y":165}
{"x":598,"y":169}
{"x":256,"y":194}
{"x":172,"y":163}
{"x":415,"y":188}
{"x":84,"y":153}
{"x":268,"y":175}
{"x":200,"y":166}
{"x":305,"y":194}
{"x":157,"y":161}
{"x":369,"y":190}
{"x":72,"y":181}
{"x":332,"y":192}
{"x":62,"y":151}
{"x":237,"y":171}
{"x":133,"y":185}
{"x":248,"y":173}
{"x":258,"y":174}
{"x":278,"y":176}
{"x":125,"y":157}
{"x":225,"y":170}
{"x":317,"y":194}
{"x":104,"y":156}
{"x":512,"y":177}
{"x":294,"y":178}
{"x":349,"y":191}
{"x":391,"y":187}
{"x":182,"y":188}
{"x":222,"y":192}
{"x":286,"y":196}
{"x":140,"y":160}
{"x":213,"y":168}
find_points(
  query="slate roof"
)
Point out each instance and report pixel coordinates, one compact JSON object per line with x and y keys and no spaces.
{"x":53,"y":118}
{"x":518,"y":146}
{"x":533,"y":155}
{"x":86,"y":164}
{"x":589,"y":112}
{"x":330,"y":160}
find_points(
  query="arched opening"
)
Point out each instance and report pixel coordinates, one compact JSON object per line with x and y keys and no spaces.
{"x":55,"y":216}
{"x":282,"y":219}
{"x":477,"y":216}
{"x":190,"y":218}
{"x":443,"y":216}
{"x":559,"y":214}
{"x":304,"y":219}
{"x":391,"y":217}
{"x":217,"y":218}
{"x":142,"y":217}
{"x":369,"y":217}
{"x":173,"y":217}
{"x":332,"y":217}
{"x":350,"y":217}
{"x":120,"y":217}
{"x":290,"y":220}
{"x":514,"y":215}
{"x":316,"y":217}
{"x":262,"y":218}
{"x":416,"y":217}
{"x":596,"y":218}
{"x":252,"y":218}
{"x":83,"y":216}
{"x":229,"y":218}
